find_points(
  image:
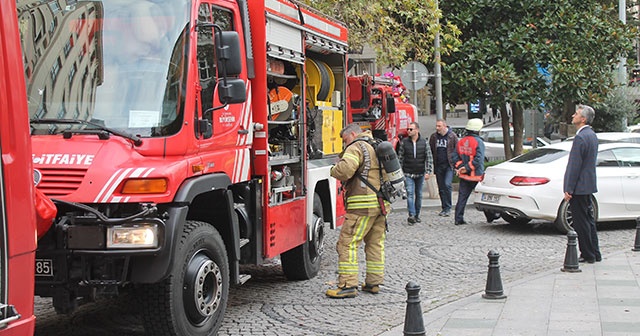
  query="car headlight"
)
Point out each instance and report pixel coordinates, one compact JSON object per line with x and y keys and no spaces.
{"x":132,"y":236}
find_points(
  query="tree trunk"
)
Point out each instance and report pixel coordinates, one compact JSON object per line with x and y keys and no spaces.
{"x":505,"y":132}
{"x":517,"y":113}
{"x":568,"y":108}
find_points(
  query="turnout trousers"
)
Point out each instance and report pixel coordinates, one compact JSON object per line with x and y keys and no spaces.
{"x":357,"y":228}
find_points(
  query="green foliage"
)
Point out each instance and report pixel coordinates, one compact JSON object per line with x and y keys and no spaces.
{"x":504,"y":41}
{"x":617,"y":108}
{"x":492,"y":49}
{"x":399,"y":30}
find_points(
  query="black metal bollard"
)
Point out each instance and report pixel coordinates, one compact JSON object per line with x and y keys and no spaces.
{"x":413,"y":323}
{"x":571,"y":256}
{"x":493,"y":290}
{"x":636,"y":245}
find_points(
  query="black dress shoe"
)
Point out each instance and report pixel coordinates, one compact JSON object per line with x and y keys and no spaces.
{"x":461,"y":223}
{"x":582,"y":260}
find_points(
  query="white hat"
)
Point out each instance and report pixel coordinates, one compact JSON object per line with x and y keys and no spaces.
{"x":474,"y":125}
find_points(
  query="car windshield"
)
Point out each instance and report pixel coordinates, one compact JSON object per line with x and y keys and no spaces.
{"x":542,"y":155}
{"x":117,"y":64}
{"x":494,"y":136}
{"x":630,"y":140}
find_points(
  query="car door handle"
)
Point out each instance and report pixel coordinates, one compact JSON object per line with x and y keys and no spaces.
{"x":243,"y":131}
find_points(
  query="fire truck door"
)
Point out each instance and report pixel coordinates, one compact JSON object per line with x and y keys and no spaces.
{"x":7,"y":312}
{"x":230,"y":123}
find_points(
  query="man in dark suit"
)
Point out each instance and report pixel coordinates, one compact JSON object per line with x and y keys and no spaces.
{"x":580,"y":183}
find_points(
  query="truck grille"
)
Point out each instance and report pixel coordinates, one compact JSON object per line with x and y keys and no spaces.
{"x":60,"y":182}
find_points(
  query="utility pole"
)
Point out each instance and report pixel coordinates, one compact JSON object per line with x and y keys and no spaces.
{"x":622,"y":69}
{"x":437,"y":70}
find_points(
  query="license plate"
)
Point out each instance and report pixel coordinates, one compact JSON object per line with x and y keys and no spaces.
{"x":44,"y":267}
{"x":490,"y":198}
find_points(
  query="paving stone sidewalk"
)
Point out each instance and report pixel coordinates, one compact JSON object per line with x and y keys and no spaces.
{"x":603,"y":299}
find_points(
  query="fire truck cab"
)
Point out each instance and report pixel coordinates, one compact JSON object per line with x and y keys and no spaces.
{"x":180,"y":140}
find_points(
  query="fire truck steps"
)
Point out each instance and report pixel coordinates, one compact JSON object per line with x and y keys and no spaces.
{"x":242,"y":278}
{"x":243,"y":242}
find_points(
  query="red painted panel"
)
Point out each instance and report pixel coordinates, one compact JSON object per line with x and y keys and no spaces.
{"x":285,"y":227}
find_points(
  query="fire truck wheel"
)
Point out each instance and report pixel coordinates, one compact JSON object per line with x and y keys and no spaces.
{"x":193,"y":299}
{"x":303,"y":262}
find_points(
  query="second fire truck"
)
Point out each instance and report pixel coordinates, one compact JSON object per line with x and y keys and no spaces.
{"x":380,"y":103}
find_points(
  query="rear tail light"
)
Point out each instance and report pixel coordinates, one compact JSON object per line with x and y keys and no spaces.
{"x":528,"y":181}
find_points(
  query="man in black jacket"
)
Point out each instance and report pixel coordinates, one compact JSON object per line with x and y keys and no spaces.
{"x":443,"y":143}
{"x":417,"y":164}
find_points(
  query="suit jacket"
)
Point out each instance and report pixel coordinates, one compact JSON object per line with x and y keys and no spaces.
{"x":580,"y":175}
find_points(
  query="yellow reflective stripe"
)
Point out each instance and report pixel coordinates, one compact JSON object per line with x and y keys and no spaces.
{"x":359,"y":228}
{"x":368,"y":197}
{"x":347,"y":268}
{"x":352,"y":157}
{"x":362,"y":202}
{"x":362,"y":206}
{"x":375,"y":267}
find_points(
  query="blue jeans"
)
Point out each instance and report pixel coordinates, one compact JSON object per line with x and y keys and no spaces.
{"x":444,"y":176}
{"x":466,"y":187}
{"x":414,"y":194}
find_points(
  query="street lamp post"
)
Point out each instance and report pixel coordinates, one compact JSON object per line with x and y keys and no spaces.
{"x":437,"y":69}
{"x":622,"y":69}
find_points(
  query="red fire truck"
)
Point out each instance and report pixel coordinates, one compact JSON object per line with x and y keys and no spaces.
{"x":379,"y":103}
{"x":17,"y":219}
{"x":180,"y":140}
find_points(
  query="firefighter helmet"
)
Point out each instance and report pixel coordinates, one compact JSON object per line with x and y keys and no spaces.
{"x":474,"y":125}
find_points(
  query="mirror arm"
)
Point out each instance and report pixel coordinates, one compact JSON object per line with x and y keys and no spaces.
{"x":212,"y":109}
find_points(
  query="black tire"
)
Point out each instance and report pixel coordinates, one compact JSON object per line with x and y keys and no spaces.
{"x":193,"y":299}
{"x":303,"y":262}
{"x":515,"y":220}
{"x":564,"y":221}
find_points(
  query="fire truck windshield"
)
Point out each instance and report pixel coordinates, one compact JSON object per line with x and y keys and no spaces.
{"x":116,"y":63}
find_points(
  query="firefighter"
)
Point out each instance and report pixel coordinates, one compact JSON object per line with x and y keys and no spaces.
{"x":365,"y":218}
{"x":469,"y":165}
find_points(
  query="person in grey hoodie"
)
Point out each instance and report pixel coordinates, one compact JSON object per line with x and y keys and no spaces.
{"x":443,"y":144}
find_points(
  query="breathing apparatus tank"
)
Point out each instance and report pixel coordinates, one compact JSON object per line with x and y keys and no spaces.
{"x":389,"y":161}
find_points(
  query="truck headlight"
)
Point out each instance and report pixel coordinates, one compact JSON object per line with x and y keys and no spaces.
{"x":132,"y":236}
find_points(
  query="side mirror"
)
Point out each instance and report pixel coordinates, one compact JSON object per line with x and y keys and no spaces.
{"x":228,"y":52}
{"x":232,"y":91}
{"x":391,"y":104}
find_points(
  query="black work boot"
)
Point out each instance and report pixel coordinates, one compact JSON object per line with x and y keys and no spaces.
{"x":373,"y":289}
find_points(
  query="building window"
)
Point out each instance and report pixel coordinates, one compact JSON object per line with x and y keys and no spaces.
{"x":55,"y":68}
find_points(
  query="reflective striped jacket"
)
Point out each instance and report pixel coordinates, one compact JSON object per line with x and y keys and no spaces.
{"x":359,"y":158}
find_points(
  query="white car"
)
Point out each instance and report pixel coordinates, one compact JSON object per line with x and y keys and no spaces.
{"x":531,"y":185}
{"x":633,"y":128}
{"x":604,"y":137}
{"x":494,"y":143}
